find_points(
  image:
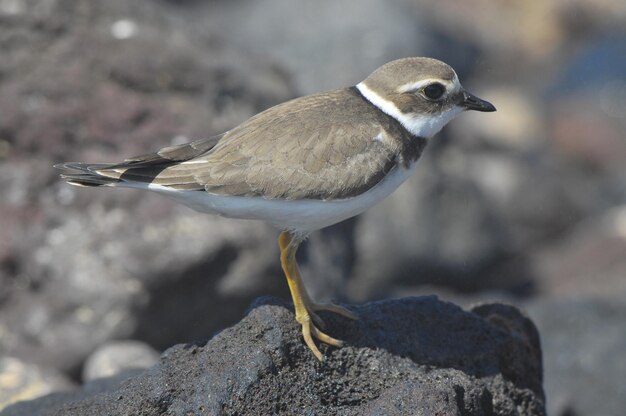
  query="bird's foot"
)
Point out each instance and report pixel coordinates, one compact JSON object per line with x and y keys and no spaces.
{"x":311,"y":322}
{"x":309,"y":330}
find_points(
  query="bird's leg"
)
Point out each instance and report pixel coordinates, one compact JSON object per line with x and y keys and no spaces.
{"x":284,"y":240}
{"x":305,"y":308}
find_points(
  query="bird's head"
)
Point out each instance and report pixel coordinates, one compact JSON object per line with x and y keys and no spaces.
{"x":423,"y":94}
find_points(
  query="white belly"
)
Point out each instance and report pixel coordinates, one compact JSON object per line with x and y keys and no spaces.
{"x":302,"y":216}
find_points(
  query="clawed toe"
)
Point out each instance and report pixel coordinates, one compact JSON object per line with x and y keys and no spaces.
{"x":311,"y":319}
{"x":309,"y":330}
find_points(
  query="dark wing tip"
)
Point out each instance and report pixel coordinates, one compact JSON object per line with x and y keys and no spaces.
{"x":83,"y":174}
{"x":68,"y":166}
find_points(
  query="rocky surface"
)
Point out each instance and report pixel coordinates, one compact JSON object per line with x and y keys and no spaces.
{"x":416,"y":356}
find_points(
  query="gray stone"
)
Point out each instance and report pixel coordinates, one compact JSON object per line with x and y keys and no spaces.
{"x":115,"y":357}
{"x":418,"y":356}
{"x":23,"y":381}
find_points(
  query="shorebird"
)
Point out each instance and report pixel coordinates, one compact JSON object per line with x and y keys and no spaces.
{"x":304,"y":164}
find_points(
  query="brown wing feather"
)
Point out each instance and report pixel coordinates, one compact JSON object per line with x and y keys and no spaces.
{"x":294,"y":151}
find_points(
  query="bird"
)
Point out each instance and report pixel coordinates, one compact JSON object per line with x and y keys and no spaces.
{"x":304,"y":164}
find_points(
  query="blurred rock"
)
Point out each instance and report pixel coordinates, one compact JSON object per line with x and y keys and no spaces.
{"x":22,"y":381}
{"x":115,"y":357}
{"x":101,"y":81}
{"x":584,"y":346}
{"x":353,"y":42}
{"x":409,"y":356}
{"x":588,"y":106}
{"x":589,"y":261}
{"x":536,"y":33}
{"x":518,"y":36}
{"x":438,"y":228}
{"x":326,"y":258}
{"x":587,"y":137}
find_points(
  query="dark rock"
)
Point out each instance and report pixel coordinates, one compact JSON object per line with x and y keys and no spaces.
{"x":416,"y":356}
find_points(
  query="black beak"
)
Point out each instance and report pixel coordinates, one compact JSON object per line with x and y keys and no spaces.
{"x":472,"y":102}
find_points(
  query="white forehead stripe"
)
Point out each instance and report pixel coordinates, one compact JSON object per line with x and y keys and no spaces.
{"x":451,"y":86}
{"x":420,"y":125}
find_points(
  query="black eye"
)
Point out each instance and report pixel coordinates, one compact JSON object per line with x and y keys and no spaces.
{"x":434,"y":91}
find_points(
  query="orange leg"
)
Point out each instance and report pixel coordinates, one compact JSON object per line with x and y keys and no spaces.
{"x":305,"y":308}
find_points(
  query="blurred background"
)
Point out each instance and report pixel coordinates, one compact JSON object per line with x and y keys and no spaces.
{"x":526,"y":205}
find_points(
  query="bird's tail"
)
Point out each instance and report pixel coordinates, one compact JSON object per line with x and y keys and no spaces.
{"x":83,"y":174}
{"x":141,"y":170}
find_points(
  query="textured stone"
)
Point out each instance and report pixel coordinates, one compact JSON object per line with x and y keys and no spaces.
{"x":416,"y":356}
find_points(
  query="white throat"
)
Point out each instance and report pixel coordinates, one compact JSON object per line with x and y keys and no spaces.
{"x":418,"y":125}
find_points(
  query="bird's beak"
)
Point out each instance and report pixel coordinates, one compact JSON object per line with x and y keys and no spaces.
{"x":472,"y":102}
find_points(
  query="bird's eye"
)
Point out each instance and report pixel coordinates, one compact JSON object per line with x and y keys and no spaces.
{"x":434,"y":91}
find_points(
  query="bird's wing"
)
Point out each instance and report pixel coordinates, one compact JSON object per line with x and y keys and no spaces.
{"x":314,"y":147}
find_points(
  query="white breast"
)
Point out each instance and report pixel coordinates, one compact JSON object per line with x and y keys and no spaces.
{"x":303,"y":216}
